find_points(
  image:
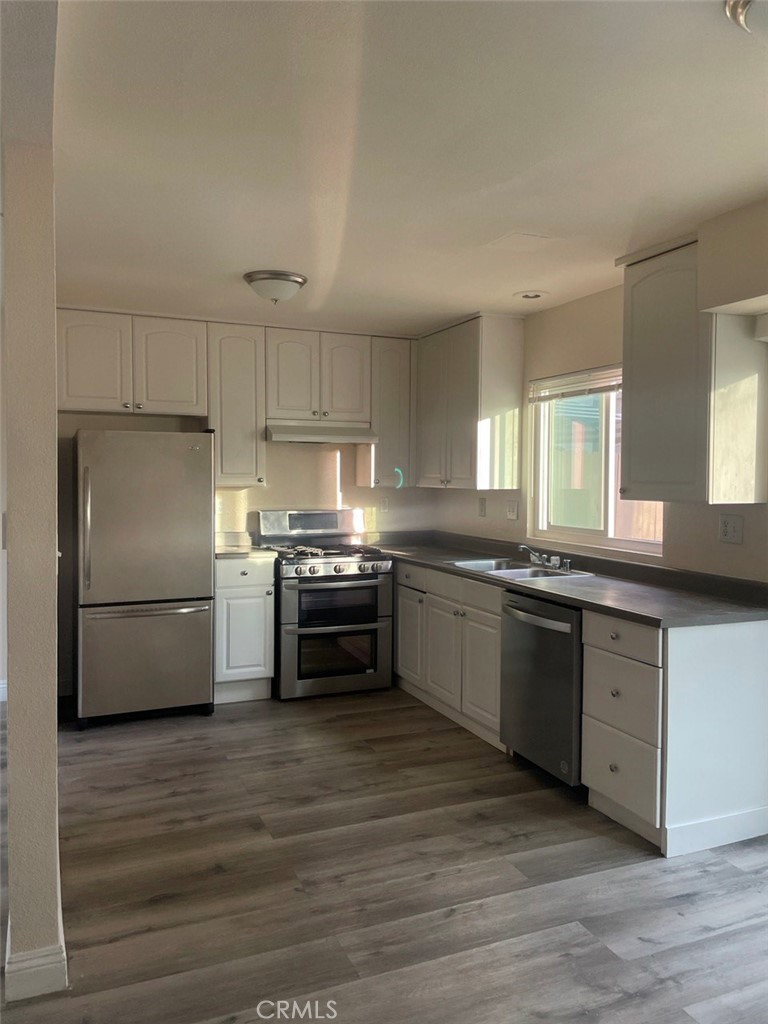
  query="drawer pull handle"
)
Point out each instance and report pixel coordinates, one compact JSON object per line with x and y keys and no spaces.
{"x":614,"y":636}
{"x":615,"y":693}
{"x":613,"y":768}
{"x":269,"y":593}
{"x":243,"y":572}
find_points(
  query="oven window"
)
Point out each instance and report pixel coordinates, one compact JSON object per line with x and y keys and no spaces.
{"x":337,"y":607}
{"x":336,"y":654}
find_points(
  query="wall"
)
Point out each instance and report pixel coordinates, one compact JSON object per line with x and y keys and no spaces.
{"x":35,"y":960}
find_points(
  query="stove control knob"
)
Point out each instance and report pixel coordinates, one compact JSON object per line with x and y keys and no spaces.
{"x":377,"y":567}
{"x":363,"y":567}
{"x":339,"y":568}
{"x":314,"y":570}
{"x":299,"y":570}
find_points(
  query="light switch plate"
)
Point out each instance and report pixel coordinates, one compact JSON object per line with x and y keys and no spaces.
{"x":513,"y":510}
{"x":482,"y":507}
{"x":384,"y":505}
{"x":731,"y":529}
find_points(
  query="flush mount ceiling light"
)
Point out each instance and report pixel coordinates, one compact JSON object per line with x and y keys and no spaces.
{"x":736,"y":10}
{"x":276,"y":285}
{"x":530,"y":293}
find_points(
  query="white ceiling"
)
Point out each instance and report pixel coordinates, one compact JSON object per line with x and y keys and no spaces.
{"x":417,"y":160}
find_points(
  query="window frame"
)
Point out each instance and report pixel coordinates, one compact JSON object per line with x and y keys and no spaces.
{"x":579,"y":537}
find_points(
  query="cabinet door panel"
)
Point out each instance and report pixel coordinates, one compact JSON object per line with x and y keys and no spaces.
{"x":244,"y":634}
{"x":237,"y":403}
{"x":345,"y":377}
{"x":443,"y":635}
{"x":391,"y":410}
{"x":462,"y":389}
{"x":170,"y":366}
{"x":293,"y":374}
{"x":431,"y":411}
{"x":410,"y":635}
{"x":94,"y":361}
{"x":481,"y":667}
{"x":667,"y":356}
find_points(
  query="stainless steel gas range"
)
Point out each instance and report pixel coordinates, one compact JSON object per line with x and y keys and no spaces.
{"x":334,"y":600}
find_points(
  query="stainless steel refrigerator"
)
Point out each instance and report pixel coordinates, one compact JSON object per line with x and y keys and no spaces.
{"x":145,"y":576}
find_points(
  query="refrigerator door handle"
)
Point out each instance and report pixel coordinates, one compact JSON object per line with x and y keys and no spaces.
{"x":87,"y":527}
{"x":148,"y":613}
{"x":537,"y":620}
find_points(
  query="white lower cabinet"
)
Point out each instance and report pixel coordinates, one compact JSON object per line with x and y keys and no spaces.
{"x":410,"y":635}
{"x":673,"y":730}
{"x":449,"y":642}
{"x":244,"y":629}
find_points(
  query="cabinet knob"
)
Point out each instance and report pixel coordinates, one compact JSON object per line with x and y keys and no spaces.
{"x":456,"y":612}
{"x":614,"y":636}
{"x":315,"y":412}
{"x":377,"y":481}
{"x":259,"y":479}
{"x":420,"y":600}
{"x":269,"y":593}
{"x":325,"y":414}
{"x":139,"y":405}
{"x":243,"y":572}
{"x":126,"y":405}
{"x":622,"y":490}
{"x":407,"y":575}
{"x":615,"y":693}
{"x":613,"y":768}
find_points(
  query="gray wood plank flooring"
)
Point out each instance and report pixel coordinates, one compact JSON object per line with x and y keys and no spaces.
{"x":366,"y":851}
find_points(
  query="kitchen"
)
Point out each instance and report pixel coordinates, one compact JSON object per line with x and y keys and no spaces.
{"x":587,"y":311}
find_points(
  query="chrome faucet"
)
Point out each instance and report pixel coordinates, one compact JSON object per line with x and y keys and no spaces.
{"x":536,"y":557}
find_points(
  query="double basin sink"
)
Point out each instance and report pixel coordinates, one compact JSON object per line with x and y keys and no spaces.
{"x":507,"y":569}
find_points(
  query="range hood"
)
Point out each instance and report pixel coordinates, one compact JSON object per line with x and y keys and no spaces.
{"x":321,"y":433}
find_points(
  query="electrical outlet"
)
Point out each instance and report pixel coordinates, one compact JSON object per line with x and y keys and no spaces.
{"x":731,"y":528}
{"x":482,"y":506}
{"x":513,"y":510}
{"x":384,"y":505}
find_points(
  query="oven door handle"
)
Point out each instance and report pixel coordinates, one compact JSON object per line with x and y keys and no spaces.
{"x":338,"y":584}
{"x":313,"y":630}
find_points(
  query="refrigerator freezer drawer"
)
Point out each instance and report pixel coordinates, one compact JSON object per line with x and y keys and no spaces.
{"x":145,"y":657}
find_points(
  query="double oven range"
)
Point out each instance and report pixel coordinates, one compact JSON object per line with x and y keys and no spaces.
{"x":334,"y":604}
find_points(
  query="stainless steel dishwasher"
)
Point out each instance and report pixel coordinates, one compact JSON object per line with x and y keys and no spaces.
{"x":541,"y":684}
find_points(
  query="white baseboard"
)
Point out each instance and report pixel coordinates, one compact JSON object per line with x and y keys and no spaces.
{"x":35,"y":972}
{"x":242,"y":690}
{"x":704,"y":835}
{"x":3,"y":690}
{"x":455,"y":716}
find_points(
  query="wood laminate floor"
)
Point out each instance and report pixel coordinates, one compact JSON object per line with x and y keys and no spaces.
{"x":367,"y":852}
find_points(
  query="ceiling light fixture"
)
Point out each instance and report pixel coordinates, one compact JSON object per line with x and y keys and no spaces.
{"x":530,"y":293}
{"x":736,"y":11}
{"x":275,"y":285}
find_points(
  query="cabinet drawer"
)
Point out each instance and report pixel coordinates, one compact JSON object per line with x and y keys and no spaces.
{"x":244,"y":572}
{"x":414,"y":576}
{"x":445,"y":584}
{"x":620,"y":636}
{"x":623,"y":693}
{"x":481,"y":595}
{"x":622,"y":768}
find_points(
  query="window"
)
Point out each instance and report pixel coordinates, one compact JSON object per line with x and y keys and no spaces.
{"x":577,"y":465}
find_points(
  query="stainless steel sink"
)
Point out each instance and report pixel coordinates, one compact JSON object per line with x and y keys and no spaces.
{"x":532,"y":572}
{"x":489,"y":564}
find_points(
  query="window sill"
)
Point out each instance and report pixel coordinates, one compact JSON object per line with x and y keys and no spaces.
{"x":648,"y":553}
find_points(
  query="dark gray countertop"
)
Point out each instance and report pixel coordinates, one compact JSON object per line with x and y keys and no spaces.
{"x":650,"y":604}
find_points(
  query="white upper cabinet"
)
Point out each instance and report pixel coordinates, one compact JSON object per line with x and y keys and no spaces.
{"x":114,"y":363}
{"x":236,"y":403}
{"x":694,"y":411}
{"x":469,"y":405}
{"x":387,"y":463}
{"x":169,"y":366}
{"x":293,"y":374}
{"x":345,"y":378}
{"x":95,"y":370}
{"x":665,"y":381}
